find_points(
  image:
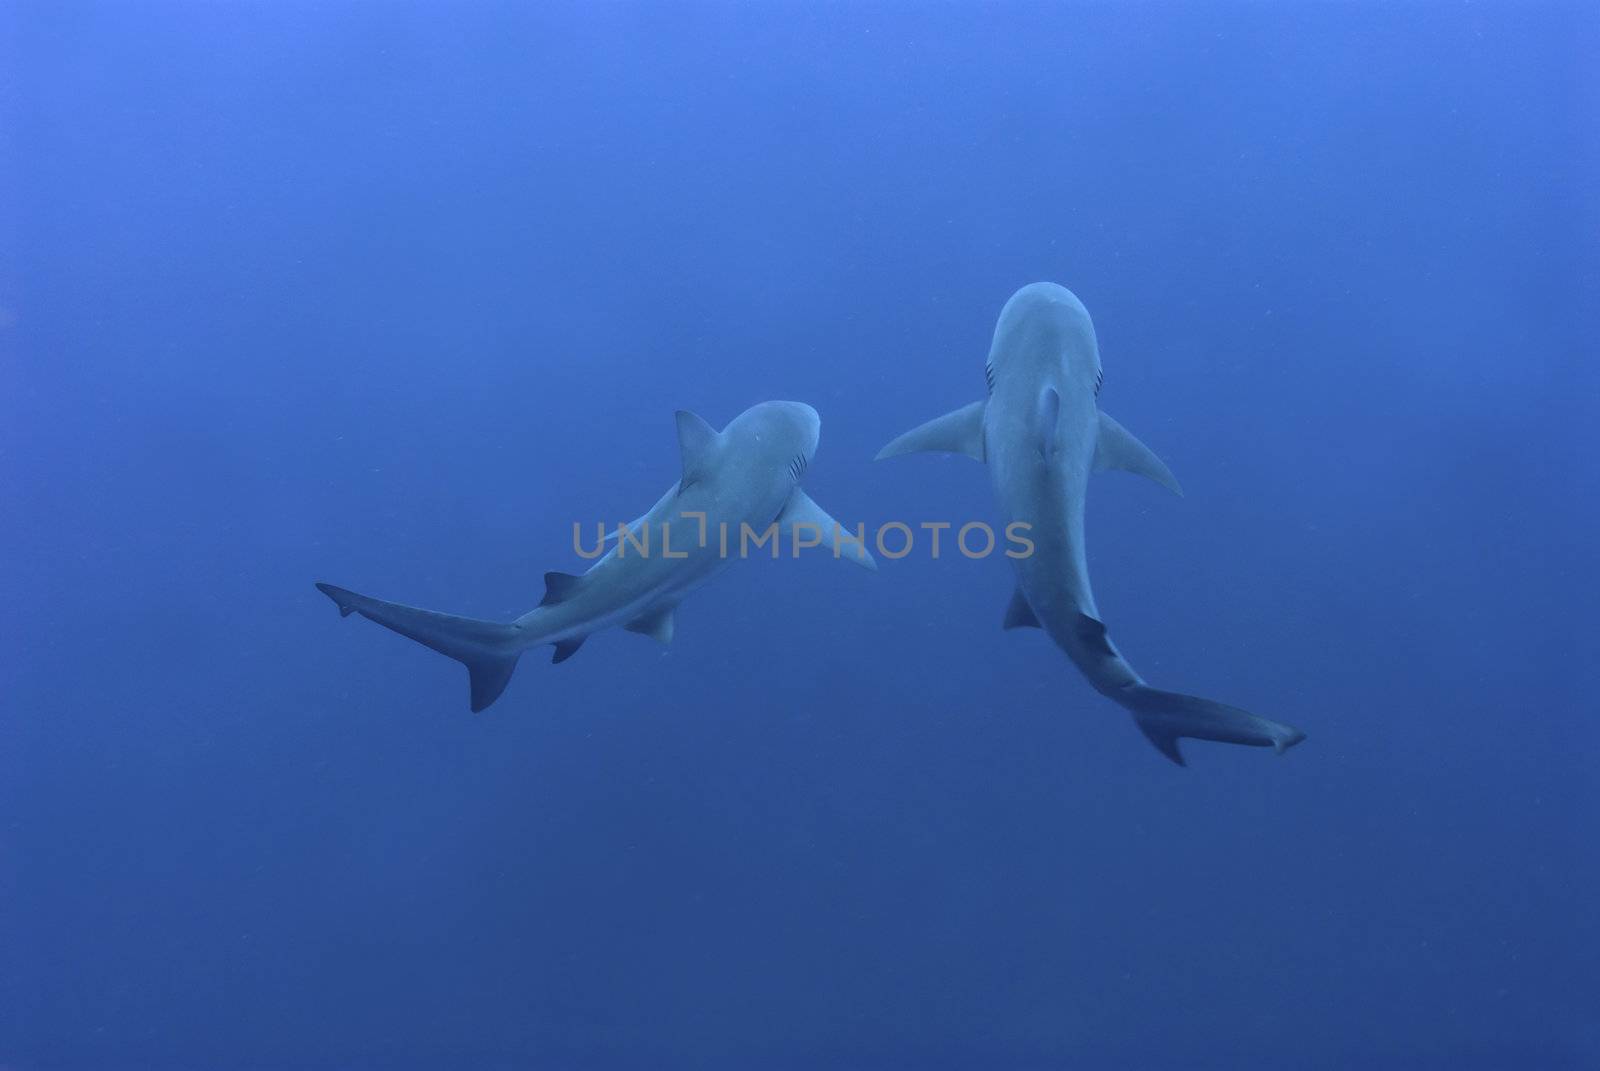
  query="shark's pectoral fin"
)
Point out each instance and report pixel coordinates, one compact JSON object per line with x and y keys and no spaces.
{"x":808,"y":524}
{"x":960,"y":432}
{"x":566,"y":649}
{"x":657,"y":624}
{"x":1019,"y":614}
{"x":1116,"y":448}
{"x":697,"y":443}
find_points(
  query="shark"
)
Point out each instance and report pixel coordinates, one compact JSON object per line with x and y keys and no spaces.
{"x":1041,"y":433}
{"x":737,"y":484}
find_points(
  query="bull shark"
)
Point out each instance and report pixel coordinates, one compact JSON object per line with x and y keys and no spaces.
{"x":1041,"y":432}
{"x":744,"y":477}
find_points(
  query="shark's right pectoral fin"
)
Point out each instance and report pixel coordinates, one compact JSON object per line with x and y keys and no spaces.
{"x":488,"y":649}
{"x":960,"y":432}
{"x":1117,"y":448}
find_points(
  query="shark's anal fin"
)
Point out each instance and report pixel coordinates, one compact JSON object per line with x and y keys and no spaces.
{"x":960,"y":432}
{"x":803,"y":517}
{"x":1116,"y":448}
{"x":1019,"y":614}
{"x":657,"y":624}
{"x":697,"y":444}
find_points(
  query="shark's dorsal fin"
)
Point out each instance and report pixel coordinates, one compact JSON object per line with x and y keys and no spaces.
{"x":558,"y":587}
{"x":960,"y":432}
{"x":566,"y":649}
{"x":1116,"y":448}
{"x":1046,"y":418}
{"x":657,"y":624}
{"x":1019,"y":614}
{"x":814,"y":522}
{"x":697,"y":443}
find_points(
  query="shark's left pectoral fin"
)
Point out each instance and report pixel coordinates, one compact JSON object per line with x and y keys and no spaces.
{"x":657,"y":624}
{"x":960,"y":432}
{"x":1117,"y":448}
{"x":804,"y":519}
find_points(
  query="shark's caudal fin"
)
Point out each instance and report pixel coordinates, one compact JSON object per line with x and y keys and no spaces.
{"x":488,"y":649}
{"x":1165,"y":717}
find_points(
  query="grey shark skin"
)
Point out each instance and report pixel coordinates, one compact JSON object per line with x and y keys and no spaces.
{"x":1041,"y":433}
{"x":748,"y":473}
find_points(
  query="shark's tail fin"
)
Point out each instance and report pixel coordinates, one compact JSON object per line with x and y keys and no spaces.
{"x":488,"y":649}
{"x":1166,"y":716}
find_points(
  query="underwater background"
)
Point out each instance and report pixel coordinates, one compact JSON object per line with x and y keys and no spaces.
{"x":391,"y":295}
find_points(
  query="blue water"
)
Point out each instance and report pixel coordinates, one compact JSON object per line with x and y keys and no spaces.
{"x":391,"y":295}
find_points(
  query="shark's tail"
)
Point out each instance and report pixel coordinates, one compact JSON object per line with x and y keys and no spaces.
{"x":1166,"y":716}
{"x":488,"y":649}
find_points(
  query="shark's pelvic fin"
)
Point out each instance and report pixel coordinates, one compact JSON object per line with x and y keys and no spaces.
{"x":697,"y":442}
{"x":960,"y":432}
{"x":566,"y":649}
{"x":657,"y":624}
{"x":1116,"y":448}
{"x":801,"y":512}
{"x":1019,"y":614}
{"x":487,"y":648}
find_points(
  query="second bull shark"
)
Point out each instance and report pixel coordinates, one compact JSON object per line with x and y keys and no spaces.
{"x":744,"y":477}
{"x":1041,"y":432}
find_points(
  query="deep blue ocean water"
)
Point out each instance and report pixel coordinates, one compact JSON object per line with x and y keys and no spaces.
{"x":390,"y":295}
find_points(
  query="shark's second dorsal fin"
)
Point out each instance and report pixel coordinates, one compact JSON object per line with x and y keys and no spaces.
{"x":657,"y":624}
{"x":697,"y":443}
{"x":558,"y":587}
{"x":1019,"y":614}
{"x":1116,"y":448}
{"x":958,"y":432}
{"x":1092,"y":634}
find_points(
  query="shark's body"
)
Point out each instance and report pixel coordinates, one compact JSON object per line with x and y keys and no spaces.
{"x":746,"y":475}
{"x":1041,"y":433}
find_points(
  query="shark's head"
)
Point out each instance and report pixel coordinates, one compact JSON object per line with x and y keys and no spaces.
{"x":1046,"y":324}
{"x":783,"y":435}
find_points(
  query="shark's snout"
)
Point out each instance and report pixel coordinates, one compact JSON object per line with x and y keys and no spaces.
{"x":802,"y":420}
